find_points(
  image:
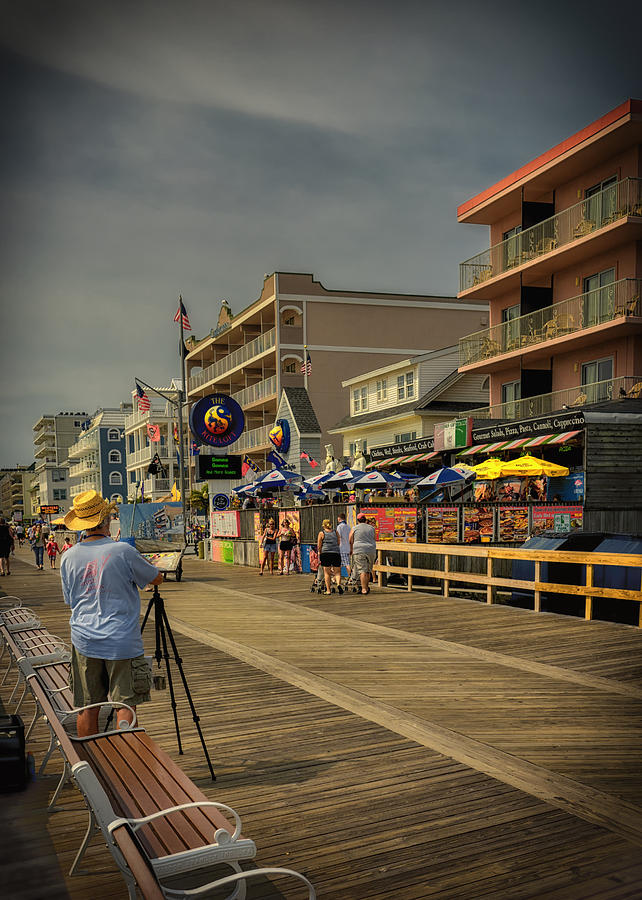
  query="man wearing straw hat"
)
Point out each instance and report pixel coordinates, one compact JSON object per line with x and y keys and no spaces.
{"x":99,"y":578}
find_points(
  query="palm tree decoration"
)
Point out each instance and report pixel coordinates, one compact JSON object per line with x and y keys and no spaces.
{"x":199,"y":500}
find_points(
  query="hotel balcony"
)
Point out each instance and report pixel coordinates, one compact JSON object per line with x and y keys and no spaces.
{"x":254,"y":439}
{"x":43,"y":422}
{"x":145,"y":455}
{"x":158,"y":486}
{"x":87,"y":484}
{"x":88,"y":442}
{"x":42,"y":433}
{"x":604,"y":220}
{"x":203,"y":382}
{"x":621,"y":388}
{"x":592,"y":316}
{"x":43,"y":463}
{"x":256,"y":393}
{"x":45,"y":450}
{"x":84,"y":467}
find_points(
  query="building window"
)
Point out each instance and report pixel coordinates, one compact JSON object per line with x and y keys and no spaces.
{"x":406,"y":386}
{"x":599,"y":298}
{"x":512,"y":246}
{"x":131,"y":443}
{"x":601,"y":202}
{"x":116,"y":498}
{"x":290,"y":365}
{"x":58,"y":474}
{"x":113,"y":434}
{"x":132,"y":477}
{"x":60,"y":493}
{"x":360,"y":399}
{"x":597,"y":380}
{"x":405,"y":436}
{"x":115,"y":478}
{"x":511,"y":393}
{"x":114,"y":456}
{"x":511,"y":327}
{"x":382,"y":389}
{"x":352,"y":448}
{"x":77,"y":424}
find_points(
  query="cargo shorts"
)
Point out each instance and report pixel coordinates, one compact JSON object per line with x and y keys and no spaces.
{"x":120,"y":680}
{"x":362,"y":563}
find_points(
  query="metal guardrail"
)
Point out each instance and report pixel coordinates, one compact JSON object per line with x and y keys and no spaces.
{"x":572,"y":316}
{"x":265,"y":388}
{"x":234,"y":359}
{"x":570,"y":398}
{"x":624,"y":198}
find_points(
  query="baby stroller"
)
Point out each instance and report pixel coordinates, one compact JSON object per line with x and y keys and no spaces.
{"x":352,"y":582}
{"x":318,"y":585}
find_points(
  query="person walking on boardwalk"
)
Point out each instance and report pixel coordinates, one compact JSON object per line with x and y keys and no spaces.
{"x":287,"y":538}
{"x":328,"y":550}
{"x":268,"y":542}
{"x":38,"y":544}
{"x":99,"y":579}
{"x":53,"y":550}
{"x":6,"y":546}
{"x":363,"y":547}
{"x":343,"y":533}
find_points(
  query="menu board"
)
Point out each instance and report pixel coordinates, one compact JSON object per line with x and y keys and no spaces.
{"x":560,"y":519}
{"x":478,"y":524}
{"x":225,"y":524}
{"x":442,"y":525}
{"x":513,"y":523}
{"x":393,"y":523}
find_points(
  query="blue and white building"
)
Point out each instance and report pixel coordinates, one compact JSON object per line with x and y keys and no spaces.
{"x":97,"y":461}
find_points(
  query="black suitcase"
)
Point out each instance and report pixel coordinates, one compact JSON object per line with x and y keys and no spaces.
{"x":13,"y":762}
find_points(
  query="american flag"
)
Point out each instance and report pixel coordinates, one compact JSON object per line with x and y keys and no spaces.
{"x":181,"y":314}
{"x":306,"y":366}
{"x":143,"y":400}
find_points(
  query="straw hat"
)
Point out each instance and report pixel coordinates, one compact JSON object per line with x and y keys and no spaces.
{"x":88,"y":511}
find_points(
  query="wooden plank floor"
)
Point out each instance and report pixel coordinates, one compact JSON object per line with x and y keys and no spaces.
{"x":327,"y":719}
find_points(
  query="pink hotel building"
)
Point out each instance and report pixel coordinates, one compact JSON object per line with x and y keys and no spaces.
{"x":562,"y":275}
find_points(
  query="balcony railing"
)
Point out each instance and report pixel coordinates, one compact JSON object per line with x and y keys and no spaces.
{"x":138,"y":457}
{"x":257,"y":437}
{"x":88,"y":442}
{"x":156,"y":486}
{"x":256,"y":392}
{"x":259,"y":345}
{"x":43,"y":433}
{"x":45,"y":450}
{"x":622,"y":298}
{"x":85,"y":465}
{"x":570,"y":398}
{"x":614,"y":202}
{"x":87,"y":484}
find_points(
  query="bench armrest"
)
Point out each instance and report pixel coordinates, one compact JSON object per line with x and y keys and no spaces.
{"x":6,"y":606}
{"x":222,"y":836}
{"x":74,"y":712}
{"x":183,"y":894}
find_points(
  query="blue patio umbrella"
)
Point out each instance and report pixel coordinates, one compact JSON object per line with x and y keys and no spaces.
{"x":343,"y":477}
{"x":318,"y":480}
{"x":447,"y":476}
{"x":377,"y":479}
{"x":308,"y":491}
{"x":244,"y":489}
{"x":277,"y":478}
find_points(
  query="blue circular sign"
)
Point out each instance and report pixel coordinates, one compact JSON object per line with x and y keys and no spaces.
{"x":216,"y":420}
{"x":220,"y":501}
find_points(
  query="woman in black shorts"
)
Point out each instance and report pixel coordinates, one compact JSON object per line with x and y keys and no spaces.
{"x":329,"y":556}
{"x":287,"y":539}
{"x":268,"y":541}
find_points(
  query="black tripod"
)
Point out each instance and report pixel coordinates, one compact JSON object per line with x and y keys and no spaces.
{"x":163,"y":631}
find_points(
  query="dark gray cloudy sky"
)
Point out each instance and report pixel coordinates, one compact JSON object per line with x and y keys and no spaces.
{"x":150,"y":148}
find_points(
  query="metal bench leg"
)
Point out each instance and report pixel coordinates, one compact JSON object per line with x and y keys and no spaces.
{"x":47,"y":756}
{"x":91,"y":827}
{"x":64,"y":778}
{"x":7,"y":670}
{"x":33,"y":722}
{"x":21,"y":700}
{"x":15,"y":688}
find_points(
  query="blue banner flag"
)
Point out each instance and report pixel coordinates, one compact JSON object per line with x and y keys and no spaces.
{"x":275,"y":459}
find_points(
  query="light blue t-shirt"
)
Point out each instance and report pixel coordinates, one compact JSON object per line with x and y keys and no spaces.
{"x":99,"y":581}
{"x":343,"y":530}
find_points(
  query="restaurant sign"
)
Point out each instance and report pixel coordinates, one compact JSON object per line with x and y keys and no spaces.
{"x":454,"y":435}
{"x":557,"y":422}
{"x":422,"y":445}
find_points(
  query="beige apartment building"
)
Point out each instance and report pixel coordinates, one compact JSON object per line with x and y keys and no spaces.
{"x":14,"y":492}
{"x":53,"y":435}
{"x":254,"y":354}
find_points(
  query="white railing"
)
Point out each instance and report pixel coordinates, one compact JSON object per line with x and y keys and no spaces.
{"x":87,"y":484}
{"x":256,"y":392}
{"x":257,"y":437}
{"x":139,"y":457}
{"x":589,"y":215}
{"x":85,"y":465}
{"x":234,"y":359}
{"x":43,"y":433}
{"x":88,"y":442}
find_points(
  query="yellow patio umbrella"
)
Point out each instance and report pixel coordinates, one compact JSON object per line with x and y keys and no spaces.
{"x":60,"y":521}
{"x":528,"y":465}
{"x":489,"y":469}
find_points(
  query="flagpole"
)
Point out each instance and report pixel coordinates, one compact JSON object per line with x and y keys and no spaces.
{"x":181,"y":398}
{"x":305,"y":363}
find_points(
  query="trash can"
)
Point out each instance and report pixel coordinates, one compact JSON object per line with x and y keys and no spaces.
{"x":625,"y":577}
{"x":555,"y":572}
{"x":13,"y":760}
{"x":200,"y":549}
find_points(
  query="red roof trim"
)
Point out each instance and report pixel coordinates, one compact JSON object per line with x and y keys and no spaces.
{"x":626,"y":108}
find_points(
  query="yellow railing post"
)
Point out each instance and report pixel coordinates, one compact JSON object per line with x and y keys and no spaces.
{"x":446,"y":571}
{"x":409,"y":572}
{"x":538,"y":593}
{"x":588,"y":605}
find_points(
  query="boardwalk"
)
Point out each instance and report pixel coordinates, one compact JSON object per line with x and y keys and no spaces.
{"x":394,"y":745}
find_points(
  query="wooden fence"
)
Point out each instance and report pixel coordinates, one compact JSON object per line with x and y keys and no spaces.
{"x":447,"y":575}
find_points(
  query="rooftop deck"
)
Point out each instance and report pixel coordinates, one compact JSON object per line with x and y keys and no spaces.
{"x":390,"y":745}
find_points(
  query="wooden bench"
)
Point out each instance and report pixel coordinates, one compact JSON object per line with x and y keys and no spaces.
{"x":158,"y":825}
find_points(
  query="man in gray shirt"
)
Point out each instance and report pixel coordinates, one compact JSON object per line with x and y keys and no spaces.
{"x":363,"y":548}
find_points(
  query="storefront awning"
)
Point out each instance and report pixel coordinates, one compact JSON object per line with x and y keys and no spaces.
{"x":513,"y":445}
{"x":493,"y":448}
{"x":562,"y":438}
{"x":478,"y":448}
